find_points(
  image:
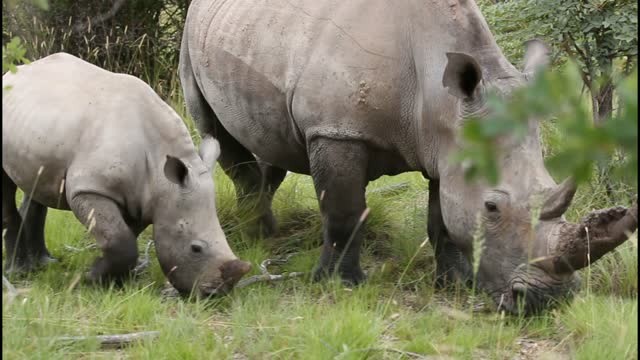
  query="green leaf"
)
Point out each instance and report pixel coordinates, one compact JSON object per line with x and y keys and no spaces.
{"x":42,"y":4}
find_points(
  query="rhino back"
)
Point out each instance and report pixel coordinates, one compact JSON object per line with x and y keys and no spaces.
{"x":84,"y":124}
{"x":279,"y":72}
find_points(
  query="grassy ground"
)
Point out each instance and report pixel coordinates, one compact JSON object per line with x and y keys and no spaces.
{"x":300,"y":320}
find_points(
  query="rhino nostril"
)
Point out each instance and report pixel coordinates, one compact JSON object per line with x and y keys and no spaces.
{"x":196,"y":248}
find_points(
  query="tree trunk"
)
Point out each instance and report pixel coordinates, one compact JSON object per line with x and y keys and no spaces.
{"x":603,"y":103}
{"x":602,"y":106}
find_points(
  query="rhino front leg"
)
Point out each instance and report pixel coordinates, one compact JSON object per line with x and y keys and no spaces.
{"x":451,"y":264}
{"x":114,"y":237}
{"x":339,"y":173}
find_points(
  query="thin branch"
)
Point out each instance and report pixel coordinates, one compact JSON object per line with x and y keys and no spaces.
{"x":269,"y":262}
{"x":117,"y":4}
{"x":583,"y":75}
{"x":11,"y":290}
{"x":88,"y":247}
{"x":145,"y":262}
{"x":118,"y":340}
{"x":398,"y":351}
{"x":268,"y":277}
{"x":361,"y":220}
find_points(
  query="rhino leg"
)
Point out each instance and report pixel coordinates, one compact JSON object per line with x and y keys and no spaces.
{"x":34,"y":216}
{"x":339,"y":171}
{"x":272,"y":178}
{"x":255,"y":184}
{"x":114,"y":236}
{"x":17,"y":259}
{"x":451,"y":264}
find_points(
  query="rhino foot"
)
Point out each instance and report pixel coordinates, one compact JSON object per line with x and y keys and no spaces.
{"x":452,"y":272}
{"x":23,"y":266}
{"x":264,"y":226}
{"x":105,"y":272}
{"x":351,"y":276}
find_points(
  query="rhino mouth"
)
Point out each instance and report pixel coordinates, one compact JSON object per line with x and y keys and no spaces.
{"x":532,"y":290}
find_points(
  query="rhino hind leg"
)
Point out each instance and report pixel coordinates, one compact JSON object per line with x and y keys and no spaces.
{"x":255,"y":183}
{"x":339,"y":171}
{"x":34,"y":216}
{"x":272,"y":177}
{"x":112,"y":233}
{"x":451,"y":265}
{"x":17,"y":259}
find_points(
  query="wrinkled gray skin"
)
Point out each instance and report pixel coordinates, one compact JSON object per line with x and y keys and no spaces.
{"x":347,"y":91}
{"x":126,"y":160}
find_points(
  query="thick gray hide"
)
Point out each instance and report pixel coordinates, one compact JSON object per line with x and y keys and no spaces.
{"x":347,"y":91}
{"x":105,"y":146}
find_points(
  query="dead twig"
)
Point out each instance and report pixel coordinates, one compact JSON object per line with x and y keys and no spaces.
{"x":145,"y":261}
{"x":118,"y":340}
{"x":84,"y":248}
{"x":12,"y":292}
{"x":266,"y":276}
{"x":398,"y":351}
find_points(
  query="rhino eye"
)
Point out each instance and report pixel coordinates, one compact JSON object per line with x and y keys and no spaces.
{"x":491,"y":206}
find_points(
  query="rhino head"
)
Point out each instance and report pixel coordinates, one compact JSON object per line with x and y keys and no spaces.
{"x":192,"y":248}
{"x":530,"y":252}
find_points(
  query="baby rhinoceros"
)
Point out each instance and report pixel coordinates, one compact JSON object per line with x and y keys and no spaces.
{"x":105,"y":146}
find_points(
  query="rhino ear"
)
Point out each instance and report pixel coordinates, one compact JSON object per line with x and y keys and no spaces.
{"x":176,"y":171}
{"x":536,"y":56}
{"x":209,"y":151}
{"x":462,"y":75}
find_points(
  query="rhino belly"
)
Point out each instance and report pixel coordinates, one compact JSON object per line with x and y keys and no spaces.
{"x":36,"y":172}
{"x":255,"y":112}
{"x":37,"y":149}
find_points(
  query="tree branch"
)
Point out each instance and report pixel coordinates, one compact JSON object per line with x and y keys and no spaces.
{"x":579,"y":53}
{"x":117,"y":5}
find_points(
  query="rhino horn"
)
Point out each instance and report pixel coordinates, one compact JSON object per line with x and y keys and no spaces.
{"x":598,"y":233}
{"x":558,"y":200}
{"x":536,"y":56}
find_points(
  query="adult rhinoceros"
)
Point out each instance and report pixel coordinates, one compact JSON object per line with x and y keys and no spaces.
{"x":347,"y":91}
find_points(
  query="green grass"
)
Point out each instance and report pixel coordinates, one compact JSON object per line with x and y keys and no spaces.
{"x":297,"y":319}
